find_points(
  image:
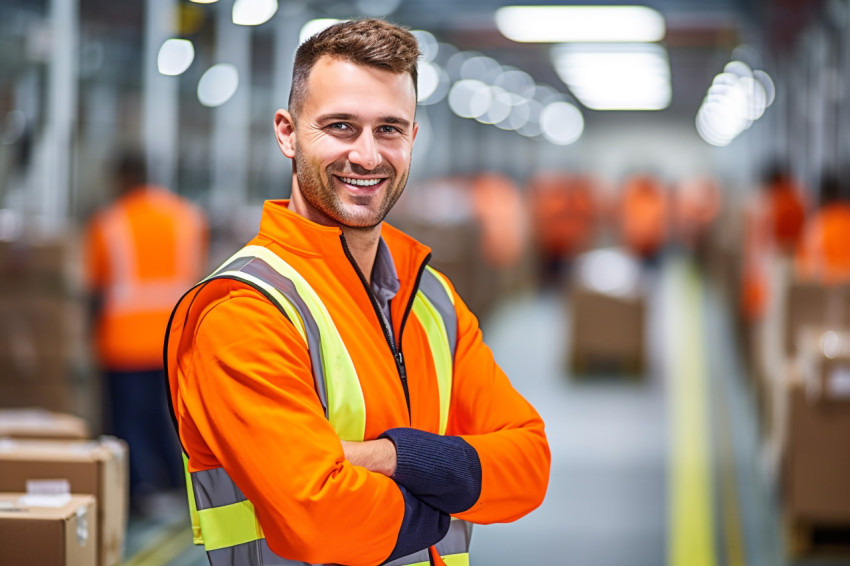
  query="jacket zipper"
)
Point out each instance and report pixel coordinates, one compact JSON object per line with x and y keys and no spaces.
{"x":385,"y":326}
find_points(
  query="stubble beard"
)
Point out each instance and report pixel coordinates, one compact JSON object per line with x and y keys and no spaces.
{"x":316,"y":188}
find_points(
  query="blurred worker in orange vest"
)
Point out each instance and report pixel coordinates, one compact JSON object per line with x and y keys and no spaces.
{"x":695,"y":206}
{"x":644,"y":215}
{"x":498,"y":206}
{"x":142,"y":253}
{"x":563,"y":212}
{"x":824,"y":251}
{"x":773,"y":223}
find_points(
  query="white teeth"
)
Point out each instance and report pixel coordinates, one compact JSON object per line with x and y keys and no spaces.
{"x":360,"y":182}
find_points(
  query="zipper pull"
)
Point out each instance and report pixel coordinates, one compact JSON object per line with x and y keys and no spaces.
{"x":399,"y":358}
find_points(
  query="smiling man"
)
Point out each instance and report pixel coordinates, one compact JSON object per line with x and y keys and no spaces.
{"x":333,"y":395}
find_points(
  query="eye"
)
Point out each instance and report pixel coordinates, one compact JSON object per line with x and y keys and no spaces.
{"x":341,"y":126}
{"x":386,"y":129}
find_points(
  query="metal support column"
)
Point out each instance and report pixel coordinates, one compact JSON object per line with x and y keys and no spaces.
{"x":159,"y":97}
{"x":52,"y":166}
{"x":231,"y":121}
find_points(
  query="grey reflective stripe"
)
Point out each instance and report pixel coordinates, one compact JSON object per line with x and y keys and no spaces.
{"x":436,"y":293}
{"x":234,"y":265}
{"x":260,"y":269}
{"x":254,"y":553}
{"x":457,"y":539}
{"x":421,"y":556}
{"x":214,"y":488}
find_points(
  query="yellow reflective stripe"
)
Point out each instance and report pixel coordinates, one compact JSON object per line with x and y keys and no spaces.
{"x":280,"y":297}
{"x":442,"y":281}
{"x":438,"y":340}
{"x":450,"y":560}
{"x":346,"y":405}
{"x":197,"y":538}
{"x":229,"y":525}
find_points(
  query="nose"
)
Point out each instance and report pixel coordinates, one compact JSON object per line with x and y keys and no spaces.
{"x":365,"y":151}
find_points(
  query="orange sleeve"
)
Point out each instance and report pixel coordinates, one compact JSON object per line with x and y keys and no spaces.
{"x":246,"y":401}
{"x":501,"y":425}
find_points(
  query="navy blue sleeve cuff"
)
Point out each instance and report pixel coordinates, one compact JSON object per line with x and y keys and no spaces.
{"x":442,"y":471}
{"x":421,"y":526}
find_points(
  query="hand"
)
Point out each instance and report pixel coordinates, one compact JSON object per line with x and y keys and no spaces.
{"x":375,"y":455}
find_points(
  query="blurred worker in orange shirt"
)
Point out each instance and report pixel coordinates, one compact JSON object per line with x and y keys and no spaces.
{"x":824,"y":250}
{"x":773,"y":224}
{"x":563,"y":212}
{"x":142,"y":253}
{"x":644,"y":215}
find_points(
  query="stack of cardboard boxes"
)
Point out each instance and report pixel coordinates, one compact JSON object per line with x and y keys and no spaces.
{"x":804,"y":398}
{"x":43,"y":338}
{"x":37,"y":446}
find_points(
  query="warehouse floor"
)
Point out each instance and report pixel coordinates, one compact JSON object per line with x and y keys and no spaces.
{"x":659,"y":468}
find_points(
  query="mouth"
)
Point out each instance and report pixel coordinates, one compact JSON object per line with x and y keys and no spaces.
{"x":361,"y":183}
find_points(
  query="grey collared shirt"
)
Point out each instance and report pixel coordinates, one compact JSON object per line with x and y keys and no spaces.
{"x":384,"y":281}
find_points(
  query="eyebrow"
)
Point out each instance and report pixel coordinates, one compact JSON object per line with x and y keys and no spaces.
{"x":351,"y":117}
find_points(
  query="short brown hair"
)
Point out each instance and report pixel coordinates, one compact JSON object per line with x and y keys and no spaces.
{"x":371,"y":42}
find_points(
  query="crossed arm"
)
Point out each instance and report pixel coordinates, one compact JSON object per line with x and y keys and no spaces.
{"x":375,"y":455}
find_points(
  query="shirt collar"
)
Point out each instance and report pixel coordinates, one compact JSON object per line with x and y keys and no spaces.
{"x":385,"y":283}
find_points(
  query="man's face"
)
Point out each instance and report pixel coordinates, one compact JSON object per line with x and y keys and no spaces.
{"x":351,"y":142}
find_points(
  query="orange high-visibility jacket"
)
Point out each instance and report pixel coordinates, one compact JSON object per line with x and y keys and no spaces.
{"x":243,"y":394}
{"x":142,"y":254}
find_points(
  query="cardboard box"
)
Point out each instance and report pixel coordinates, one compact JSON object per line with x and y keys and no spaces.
{"x":816,"y":479}
{"x":812,"y":304}
{"x":607,"y":331}
{"x":41,"y":423}
{"x":99,"y":468}
{"x":57,"y":397}
{"x":36,"y":327}
{"x":33,"y":533}
{"x":44,"y":265}
{"x":607,"y":313}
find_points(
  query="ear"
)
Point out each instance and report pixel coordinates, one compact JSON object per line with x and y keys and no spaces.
{"x":414,"y":132}
{"x":284,"y":130}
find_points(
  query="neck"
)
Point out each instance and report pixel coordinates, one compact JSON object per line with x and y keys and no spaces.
{"x":362,"y":242}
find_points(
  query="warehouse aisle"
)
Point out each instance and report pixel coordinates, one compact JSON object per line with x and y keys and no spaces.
{"x":606,"y":502}
{"x":663,"y":468}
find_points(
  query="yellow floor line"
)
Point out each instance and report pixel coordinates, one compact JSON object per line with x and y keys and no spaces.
{"x":164,"y":548}
{"x":735,"y":555}
{"x":691,"y":520}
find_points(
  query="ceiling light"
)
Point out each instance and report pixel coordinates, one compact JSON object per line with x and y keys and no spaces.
{"x":470,"y":98}
{"x":429,"y":80}
{"x":615,"y":77}
{"x":218,"y":84}
{"x":253,"y":12}
{"x":175,"y":56}
{"x":313,"y":27}
{"x":428,"y":44}
{"x":562,"y":123}
{"x":556,"y":24}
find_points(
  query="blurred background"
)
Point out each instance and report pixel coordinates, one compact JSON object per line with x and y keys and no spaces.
{"x":645,"y":206}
